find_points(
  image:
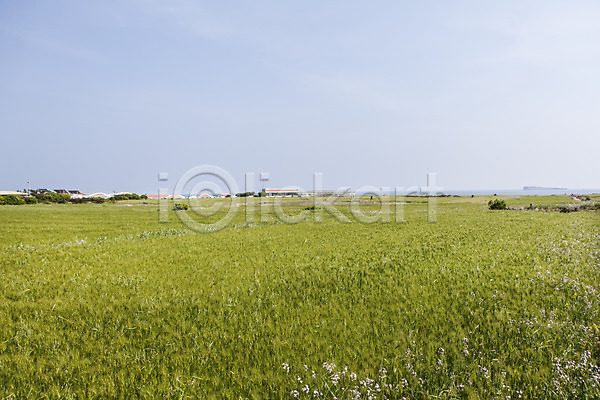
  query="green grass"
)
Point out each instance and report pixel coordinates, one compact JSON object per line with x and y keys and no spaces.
{"x":100,"y":302}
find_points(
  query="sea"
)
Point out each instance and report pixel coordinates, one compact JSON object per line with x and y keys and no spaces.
{"x":508,"y":192}
{"x":521,"y":192}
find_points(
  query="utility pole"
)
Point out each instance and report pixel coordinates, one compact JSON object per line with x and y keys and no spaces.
{"x":28,"y":189}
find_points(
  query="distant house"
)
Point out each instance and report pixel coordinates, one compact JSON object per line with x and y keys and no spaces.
{"x":102,"y":195}
{"x":282,"y":192}
{"x":165,"y":196}
{"x":76,"y":194}
{"x":202,"y":196}
{"x":158,"y":196}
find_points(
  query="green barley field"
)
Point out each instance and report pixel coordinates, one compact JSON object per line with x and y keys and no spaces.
{"x":103,"y":301}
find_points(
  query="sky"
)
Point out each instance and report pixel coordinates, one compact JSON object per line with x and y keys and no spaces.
{"x":103,"y":96}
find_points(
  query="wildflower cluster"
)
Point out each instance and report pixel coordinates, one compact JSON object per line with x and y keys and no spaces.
{"x":330,"y":382}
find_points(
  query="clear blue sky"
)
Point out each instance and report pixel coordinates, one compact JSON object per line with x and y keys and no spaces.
{"x":103,"y":95}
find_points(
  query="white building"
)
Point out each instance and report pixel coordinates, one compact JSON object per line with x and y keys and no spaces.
{"x":102,"y":195}
{"x":282,"y":192}
{"x":11,"y":193}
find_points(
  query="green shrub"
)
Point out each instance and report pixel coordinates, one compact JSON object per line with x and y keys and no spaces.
{"x":312,"y":208}
{"x":567,"y":209}
{"x":181,"y":206}
{"x":30,"y":200}
{"x":98,"y":200}
{"x":245,"y":194}
{"x":52,"y":197}
{"x":129,"y":196}
{"x":11,"y":199}
{"x":497,"y":204}
{"x":590,"y":207}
